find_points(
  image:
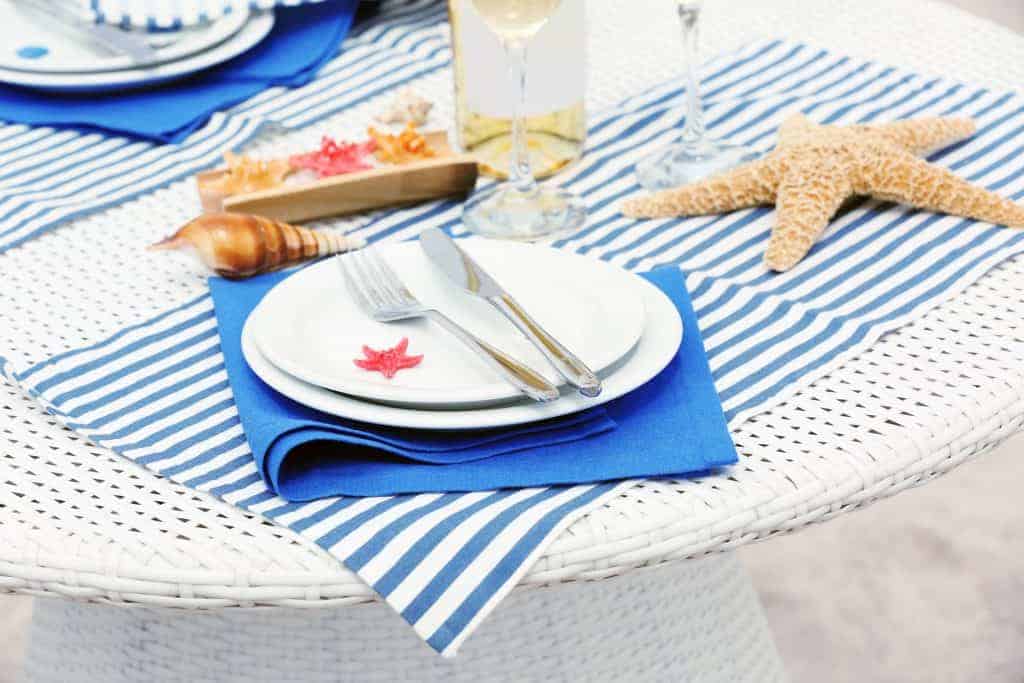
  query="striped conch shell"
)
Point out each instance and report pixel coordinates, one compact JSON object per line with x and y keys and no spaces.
{"x":238,"y":245}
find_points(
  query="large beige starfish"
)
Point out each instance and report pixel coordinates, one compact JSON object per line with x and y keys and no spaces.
{"x":815,"y":168}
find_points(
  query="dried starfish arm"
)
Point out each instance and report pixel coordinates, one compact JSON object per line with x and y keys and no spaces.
{"x":795,"y":127}
{"x":749,"y":185}
{"x":909,"y":180}
{"x":807,"y":199}
{"x":923,"y":136}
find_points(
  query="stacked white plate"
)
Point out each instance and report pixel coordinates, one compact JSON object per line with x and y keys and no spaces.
{"x":41,"y":53}
{"x":303,"y":337}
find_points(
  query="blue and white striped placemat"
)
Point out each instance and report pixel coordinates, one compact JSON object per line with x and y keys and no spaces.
{"x":157,"y":392}
{"x":172,"y":14}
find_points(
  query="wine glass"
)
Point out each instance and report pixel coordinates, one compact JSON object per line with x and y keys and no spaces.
{"x":696,"y":154}
{"x":519,"y":208}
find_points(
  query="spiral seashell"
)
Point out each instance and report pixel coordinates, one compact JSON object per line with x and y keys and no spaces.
{"x":238,"y":245}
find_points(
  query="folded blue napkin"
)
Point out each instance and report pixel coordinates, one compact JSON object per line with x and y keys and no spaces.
{"x":302,"y":40}
{"x":671,"y":425}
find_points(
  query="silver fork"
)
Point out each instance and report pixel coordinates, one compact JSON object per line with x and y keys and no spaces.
{"x":378,"y":290}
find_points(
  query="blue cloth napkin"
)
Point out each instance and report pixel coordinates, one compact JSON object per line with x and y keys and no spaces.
{"x":302,"y":40}
{"x":671,"y":425}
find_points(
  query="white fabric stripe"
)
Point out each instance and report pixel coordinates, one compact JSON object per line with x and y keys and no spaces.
{"x":247,"y":469}
{"x":839,"y":337}
{"x":338,"y":518}
{"x":200,"y":307}
{"x":139,"y":356}
{"x":307,"y":510}
{"x":235,"y":497}
{"x":436,"y":559}
{"x":499,"y":546}
{"x":201,"y":447}
{"x":140,"y":395}
{"x":187,"y":432}
{"x":375,"y":569}
{"x":355,"y":540}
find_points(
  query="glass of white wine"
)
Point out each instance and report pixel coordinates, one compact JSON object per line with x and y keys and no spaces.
{"x":519,"y":208}
{"x":696,"y":154}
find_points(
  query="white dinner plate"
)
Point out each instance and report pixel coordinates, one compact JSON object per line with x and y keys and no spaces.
{"x":254,"y":30}
{"x":662,"y":334}
{"x":33,"y":45}
{"x":310,"y":326}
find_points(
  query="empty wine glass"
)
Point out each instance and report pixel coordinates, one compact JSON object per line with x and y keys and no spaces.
{"x":520,"y":208}
{"x":696,"y":154}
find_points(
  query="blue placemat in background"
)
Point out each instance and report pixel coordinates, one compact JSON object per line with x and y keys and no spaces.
{"x":302,"y":40}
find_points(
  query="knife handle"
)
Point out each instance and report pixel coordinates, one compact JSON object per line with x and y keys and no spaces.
{"x":526,"y":380}
{"x":565,"y":361}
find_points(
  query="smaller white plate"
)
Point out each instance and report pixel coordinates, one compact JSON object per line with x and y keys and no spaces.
{"x":311,"y":327}
{"x":254,"y":30}
{"x":22,"y":29}
{"x":659,"y":343}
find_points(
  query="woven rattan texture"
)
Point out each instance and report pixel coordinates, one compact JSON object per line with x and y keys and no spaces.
{"x":615,"y":631}
{"x":77,"y":520}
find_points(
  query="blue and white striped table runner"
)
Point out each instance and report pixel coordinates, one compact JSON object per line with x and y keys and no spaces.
{"x":158,"y":393}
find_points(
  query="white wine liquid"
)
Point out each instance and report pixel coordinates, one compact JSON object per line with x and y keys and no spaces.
{"x":516,"y":19}
{"x":555,"y":120}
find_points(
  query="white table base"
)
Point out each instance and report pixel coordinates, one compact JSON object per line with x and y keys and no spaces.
{"x":691,"y":621}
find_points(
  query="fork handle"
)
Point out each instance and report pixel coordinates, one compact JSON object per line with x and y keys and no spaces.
{"x":525,"y":379}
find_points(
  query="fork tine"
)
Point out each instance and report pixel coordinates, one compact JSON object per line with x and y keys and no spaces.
{"x":377,"y":279}
{"x":367,"y":291}
{"x":368,"y":282}
{"x":395,"y":283}
{"x":352,"y":283}
{"x":373,"y":263}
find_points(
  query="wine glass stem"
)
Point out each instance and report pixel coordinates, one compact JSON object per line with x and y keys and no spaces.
{"x":520,"y":175}
{"x":689,"y":17}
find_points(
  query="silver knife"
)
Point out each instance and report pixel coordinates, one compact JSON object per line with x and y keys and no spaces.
{"x":467,"y":273}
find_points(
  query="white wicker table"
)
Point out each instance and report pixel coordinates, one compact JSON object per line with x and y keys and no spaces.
{"x":78,"y":522}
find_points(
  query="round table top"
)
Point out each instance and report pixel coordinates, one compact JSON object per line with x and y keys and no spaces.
{"x":79,"y":521}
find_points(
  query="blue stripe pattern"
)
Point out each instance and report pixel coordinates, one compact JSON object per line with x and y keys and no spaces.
{"x":48,"y":177}
{"x":157,"y":393}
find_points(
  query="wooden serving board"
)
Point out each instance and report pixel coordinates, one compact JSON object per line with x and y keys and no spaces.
{"x":446,"y":175}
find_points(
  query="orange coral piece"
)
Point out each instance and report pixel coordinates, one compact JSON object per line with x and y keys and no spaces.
{"x":409,"y":145}
{"x":246,"y":174}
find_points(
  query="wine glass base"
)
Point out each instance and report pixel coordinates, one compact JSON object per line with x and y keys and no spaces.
{"x":685,"y":163}
{"x":509,"y":214}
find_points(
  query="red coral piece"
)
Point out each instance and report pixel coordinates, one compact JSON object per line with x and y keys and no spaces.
{"x":335,"y":158}
{"x":389,"y":361}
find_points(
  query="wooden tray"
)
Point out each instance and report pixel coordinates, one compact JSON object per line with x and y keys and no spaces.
{"x":446,"y":175}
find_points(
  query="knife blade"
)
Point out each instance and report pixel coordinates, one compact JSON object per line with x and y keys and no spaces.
{"x":462,"y":270}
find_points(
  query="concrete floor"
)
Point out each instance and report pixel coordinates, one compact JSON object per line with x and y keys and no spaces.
{"x":927,"y":586}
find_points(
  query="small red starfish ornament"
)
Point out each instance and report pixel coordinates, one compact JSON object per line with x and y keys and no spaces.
{"x":336,"y":157}
{"x":389,"y":361}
